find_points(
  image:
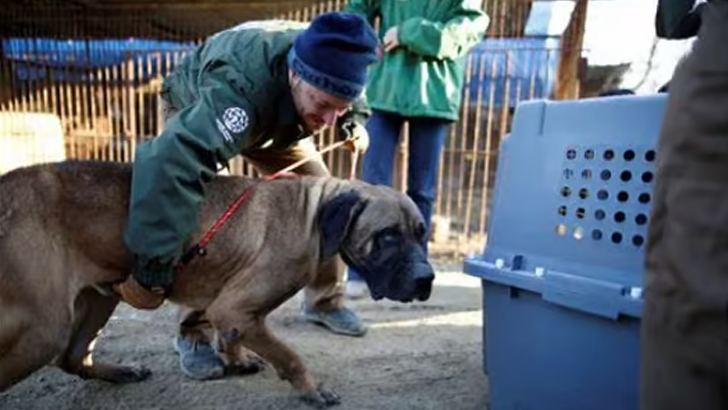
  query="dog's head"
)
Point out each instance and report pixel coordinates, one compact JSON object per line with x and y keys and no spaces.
{"x":379,"y":232}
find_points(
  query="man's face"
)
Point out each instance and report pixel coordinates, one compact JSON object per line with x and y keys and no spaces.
{"x":317,"y":108}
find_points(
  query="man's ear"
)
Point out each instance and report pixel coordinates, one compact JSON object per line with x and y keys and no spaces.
{"x":335,"y":218}
{"x":293,"y":78}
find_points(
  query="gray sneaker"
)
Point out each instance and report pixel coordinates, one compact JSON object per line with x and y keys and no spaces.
{"x":199,"y":360}
{"x":342,"y":321}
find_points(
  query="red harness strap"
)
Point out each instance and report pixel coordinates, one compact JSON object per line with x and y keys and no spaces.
{"x":199,"y":248}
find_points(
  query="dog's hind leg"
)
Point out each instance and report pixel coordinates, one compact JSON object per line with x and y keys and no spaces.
{"x":92,"y":311}
{"x":32,"y":330}
{"x":27,"y":347}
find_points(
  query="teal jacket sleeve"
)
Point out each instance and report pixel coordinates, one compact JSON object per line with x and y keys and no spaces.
{"x":449,"y":40}
{"x":369,"y":9}
{"x":171,"y":171}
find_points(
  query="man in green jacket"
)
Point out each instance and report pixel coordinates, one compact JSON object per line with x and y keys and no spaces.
{"x":419,"y":81}
{"x":261,"y":89}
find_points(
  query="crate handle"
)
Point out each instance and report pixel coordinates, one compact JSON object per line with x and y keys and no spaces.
{"x":593,"y":296}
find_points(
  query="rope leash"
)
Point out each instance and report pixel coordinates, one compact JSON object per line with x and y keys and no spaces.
{"x":199,"y":248}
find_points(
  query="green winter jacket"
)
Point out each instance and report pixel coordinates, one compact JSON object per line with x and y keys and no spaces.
{"x":425,"y":75}
{"x":231,"y":95}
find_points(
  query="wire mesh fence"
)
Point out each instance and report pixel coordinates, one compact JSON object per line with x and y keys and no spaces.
{"x":105,"y":93}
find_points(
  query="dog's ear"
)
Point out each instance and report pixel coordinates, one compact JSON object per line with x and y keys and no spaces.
{"x":335,"y":218}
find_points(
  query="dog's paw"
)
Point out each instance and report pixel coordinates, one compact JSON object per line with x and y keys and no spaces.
{"x":112,"y":373}
{"x":128,"y":374}
{"x":249,"y":365}
{"x":322,"y":397}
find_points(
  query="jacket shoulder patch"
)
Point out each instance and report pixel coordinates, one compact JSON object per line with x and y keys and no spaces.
{"x":235,"y":119}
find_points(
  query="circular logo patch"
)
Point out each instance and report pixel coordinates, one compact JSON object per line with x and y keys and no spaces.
{"x":235,"y":119}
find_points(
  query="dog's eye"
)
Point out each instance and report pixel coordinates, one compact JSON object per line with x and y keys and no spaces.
{"x":390,"y":235}
{"x":387,"y":238}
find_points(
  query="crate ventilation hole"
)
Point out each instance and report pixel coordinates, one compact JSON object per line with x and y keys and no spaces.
{"x":620,"y":218}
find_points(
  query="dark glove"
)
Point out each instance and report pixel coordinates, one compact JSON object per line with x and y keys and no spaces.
{"x":148,"y":284}
{"x":155,"y":273}
{"x":136,"y":295}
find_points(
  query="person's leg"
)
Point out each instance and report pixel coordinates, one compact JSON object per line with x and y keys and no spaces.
{"x":197,"y":358}
{"x":684,"y":337}
{"x":427,"y":136}
{"x":324,"y":295}
{"x":377,"y":168}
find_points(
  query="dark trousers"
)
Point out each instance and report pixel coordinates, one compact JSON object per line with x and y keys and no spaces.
{"x":685,"y":323}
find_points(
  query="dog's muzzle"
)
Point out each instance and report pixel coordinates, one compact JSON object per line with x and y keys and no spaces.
{"x":424,"y":276}
{"x":402,"y":274}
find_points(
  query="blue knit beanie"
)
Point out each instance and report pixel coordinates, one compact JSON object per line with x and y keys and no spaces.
{"x":333,"y":54}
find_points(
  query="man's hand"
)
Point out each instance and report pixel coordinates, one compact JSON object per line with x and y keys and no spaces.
{"x":138,"y":296}
{"x":144,"y":287}
{"x":391,"y":39}
{"x":357,"y":137}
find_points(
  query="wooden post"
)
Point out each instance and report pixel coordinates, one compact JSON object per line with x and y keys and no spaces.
{"x":567,"y":78}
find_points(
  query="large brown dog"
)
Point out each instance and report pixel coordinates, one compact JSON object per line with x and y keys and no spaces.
{"x":61,"y":245}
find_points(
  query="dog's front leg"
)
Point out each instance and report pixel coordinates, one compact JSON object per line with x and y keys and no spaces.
{"x":238,"y":359}
{"x":252,"y":333}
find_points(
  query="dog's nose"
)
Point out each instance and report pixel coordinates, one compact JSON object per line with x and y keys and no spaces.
{"x":424,"y":276}
{"x":423,"y":271}
{"x":423,"y":288}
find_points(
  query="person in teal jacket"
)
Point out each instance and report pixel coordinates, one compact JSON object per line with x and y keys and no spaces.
{"x":419,"y":81}
{"x":261,"y":90}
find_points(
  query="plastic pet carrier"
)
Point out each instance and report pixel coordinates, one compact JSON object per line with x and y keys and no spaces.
{"x":563,"y":265}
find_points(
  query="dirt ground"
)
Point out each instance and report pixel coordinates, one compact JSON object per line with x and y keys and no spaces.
{"x":416,"y":356}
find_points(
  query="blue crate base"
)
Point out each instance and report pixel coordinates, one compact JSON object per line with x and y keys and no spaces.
{"x":542,"y":356}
